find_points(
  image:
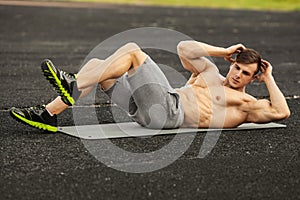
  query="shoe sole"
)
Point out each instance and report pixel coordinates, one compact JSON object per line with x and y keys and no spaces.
{"x":56,"y":83}
{"x":34,"y":124}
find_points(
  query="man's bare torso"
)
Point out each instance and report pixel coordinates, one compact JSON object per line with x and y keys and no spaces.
{"x":209,"y":104}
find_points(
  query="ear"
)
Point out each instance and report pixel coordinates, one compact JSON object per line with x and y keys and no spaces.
{"x":254,"y":77}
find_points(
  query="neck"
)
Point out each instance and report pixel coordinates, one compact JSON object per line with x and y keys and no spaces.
{"x":241,"y":89}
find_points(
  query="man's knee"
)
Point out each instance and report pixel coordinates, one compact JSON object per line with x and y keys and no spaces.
{"x":136,"y":54}
{"x":89,"y":69}
{"x":131,"y":47}
{"x":95,"y":62}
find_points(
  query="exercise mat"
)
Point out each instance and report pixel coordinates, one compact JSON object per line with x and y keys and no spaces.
{"x":132,"y":129}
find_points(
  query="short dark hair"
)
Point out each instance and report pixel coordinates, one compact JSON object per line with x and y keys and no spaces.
{"x":249,"y":56}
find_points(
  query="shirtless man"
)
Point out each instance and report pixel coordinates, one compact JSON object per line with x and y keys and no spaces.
{"x":227,"y":94}
{"x":134,"y":82}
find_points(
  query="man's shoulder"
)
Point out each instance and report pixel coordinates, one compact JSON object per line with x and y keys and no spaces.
{"x":250,"y":98}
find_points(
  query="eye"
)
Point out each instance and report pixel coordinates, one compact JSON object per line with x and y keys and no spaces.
{"x":237,"y":67}
{"x":246,"y":73}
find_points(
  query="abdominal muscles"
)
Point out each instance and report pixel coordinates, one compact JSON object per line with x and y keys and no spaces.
{"x":204,"y":109}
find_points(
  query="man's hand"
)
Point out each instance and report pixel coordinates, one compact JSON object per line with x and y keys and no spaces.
{"x":266,"y":71}
{"x":232,"y":50}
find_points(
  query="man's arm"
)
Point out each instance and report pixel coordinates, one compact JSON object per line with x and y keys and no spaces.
{"x":192,"y":54}
{"x":263,"y":111}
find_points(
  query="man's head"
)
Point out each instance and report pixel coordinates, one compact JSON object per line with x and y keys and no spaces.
{"x":244,"y":69}
{"x":249,"y":56}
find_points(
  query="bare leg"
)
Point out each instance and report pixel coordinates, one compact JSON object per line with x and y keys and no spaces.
{"x":105,"y":72}
{"x":126,"y":59}
{"x":56,"y":106}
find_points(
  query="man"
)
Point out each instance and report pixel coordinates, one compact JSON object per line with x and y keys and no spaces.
{"x":134,"y":82}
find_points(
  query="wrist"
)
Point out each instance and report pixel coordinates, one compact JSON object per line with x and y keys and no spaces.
{"x":225,"y":52}
{"x":268,"y":78}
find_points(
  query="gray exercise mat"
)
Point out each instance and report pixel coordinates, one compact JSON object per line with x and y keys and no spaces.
{"x":132,"y":129}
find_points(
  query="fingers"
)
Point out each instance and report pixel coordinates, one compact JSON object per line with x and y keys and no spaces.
{"x":266,"y":67}
{"x":265,"y":64}
{"x":242,"y":46}
{"x":233,"y":50}
{"x":239,"y":48}
{"x":236,"y":48}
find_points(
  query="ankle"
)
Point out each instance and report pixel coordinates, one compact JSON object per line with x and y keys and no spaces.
{"x":49,"y":112}
{"x":56,"y":106}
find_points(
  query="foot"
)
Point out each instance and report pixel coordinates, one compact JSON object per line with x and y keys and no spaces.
{"x":65,"y":84}
{"x":37,"y":117}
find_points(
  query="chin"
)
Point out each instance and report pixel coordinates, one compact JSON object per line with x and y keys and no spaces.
{"x":235,"y":87}
{"x":232,"y":85}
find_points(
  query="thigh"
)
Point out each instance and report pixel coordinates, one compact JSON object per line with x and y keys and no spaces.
{"x":148,"y":97}
{"x":120,"y":94}
{"x":157,"y":103}
{"x":157,"y":107}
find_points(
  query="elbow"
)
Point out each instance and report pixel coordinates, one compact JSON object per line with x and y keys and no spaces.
{"x":183,"y":49}
{"x":285,"y":114}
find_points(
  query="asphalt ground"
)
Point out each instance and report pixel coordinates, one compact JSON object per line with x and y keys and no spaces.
{"x":256,"y":164}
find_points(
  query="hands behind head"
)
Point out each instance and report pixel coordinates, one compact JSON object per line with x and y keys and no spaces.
{"x":266,"y":71}
{"x":232,"y":50}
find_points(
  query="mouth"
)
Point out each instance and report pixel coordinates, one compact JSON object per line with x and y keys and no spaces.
{"x":235,"y":81}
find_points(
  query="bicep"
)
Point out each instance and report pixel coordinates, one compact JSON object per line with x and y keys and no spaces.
{"x":198,"y":65}
{"x":261,"y":111}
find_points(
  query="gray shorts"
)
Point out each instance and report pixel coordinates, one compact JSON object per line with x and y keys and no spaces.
{"x":148,"y":97}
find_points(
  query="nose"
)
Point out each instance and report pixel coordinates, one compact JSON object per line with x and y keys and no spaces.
{"x":238,"y":74}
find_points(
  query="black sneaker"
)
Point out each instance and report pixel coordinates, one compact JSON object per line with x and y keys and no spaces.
{"x":37,"y":117}
{"x":64,"y":83}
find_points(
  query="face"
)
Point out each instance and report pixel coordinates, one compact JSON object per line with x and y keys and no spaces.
{"x":240,"y":75}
